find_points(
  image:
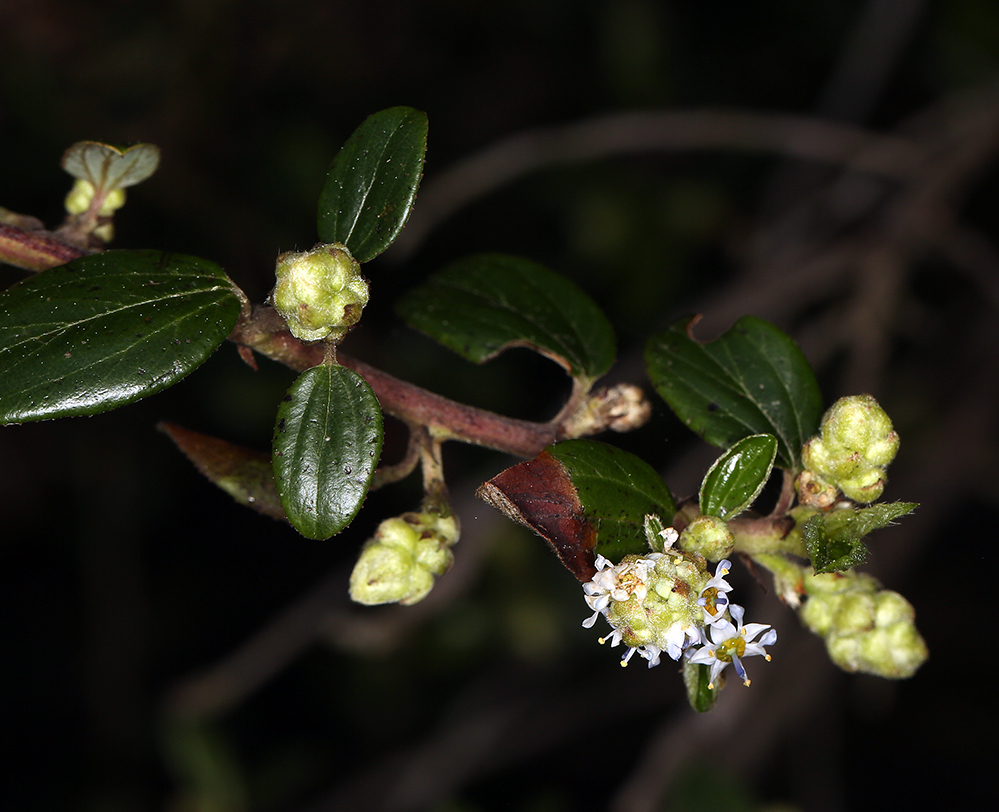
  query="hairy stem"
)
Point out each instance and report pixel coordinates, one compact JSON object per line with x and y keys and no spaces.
{"x":266,"y":333}
{"x":34,"y":250}
{"x":263,"y":330}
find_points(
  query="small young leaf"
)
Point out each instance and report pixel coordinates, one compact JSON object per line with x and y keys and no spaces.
{"x":327,"y":442}
{"x":584,"y":498}
{"x":738,"y":476}
{"x":372,"y":182}
{"x":482,"y":304}
{"x":247,"y":476}
{"x":107,"y":167}
{"x":108,"y":329}
{"x":834,"y":540}
{"x":751,"y":380}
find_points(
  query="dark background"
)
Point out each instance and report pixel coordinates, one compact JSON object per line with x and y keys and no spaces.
{"x":164,"y":648}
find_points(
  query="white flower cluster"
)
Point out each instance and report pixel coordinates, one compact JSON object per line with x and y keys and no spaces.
{"x":643,"y":600}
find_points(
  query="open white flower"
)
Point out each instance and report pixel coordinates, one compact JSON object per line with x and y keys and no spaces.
{"x":617,"y":582}
{"x":648,"y":651}
{"x":714,"y":598}
{"x":645,"y":622}
{"x":679,"y":637}
{"x":731,"y":642}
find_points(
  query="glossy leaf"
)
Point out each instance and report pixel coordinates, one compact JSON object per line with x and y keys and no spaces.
{"x":108,"y":167}
{"x":482,"y":304}
{"x":246,"y":475}
{"x":108,"y":329}
{"x":584,"y":498}
{"x":372,"y":182}
{"x":751,"y":380}
{"x":617,"y":490}
{"x":834,"y":540}
{"x":737,"y":476}
{"x":327,"y":441}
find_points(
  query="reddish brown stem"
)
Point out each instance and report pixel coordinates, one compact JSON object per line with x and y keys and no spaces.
{"x":265,"y":331}
{"x":445,"y":419}
{"x":34,"y":250}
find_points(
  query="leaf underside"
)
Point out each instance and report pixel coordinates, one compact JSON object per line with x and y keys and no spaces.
{"x":107,"y":167}
{"x":246,"y":475}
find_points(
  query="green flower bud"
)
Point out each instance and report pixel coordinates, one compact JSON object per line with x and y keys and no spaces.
{"x":433,"y":556}
{"x":82,"y":195}
{"x":320,"y":293}
{"x":104,"y":232}
{"x":882,"y":450}
{"x":892,"y":608}
{"x":866,"y":628}
{"x":638,"y":624}
{"x":831,"y":461}
{"x":865,"y":487}
{"x":709,"y":536}
{"x":893,"y":652}
{"x":662,"y":609}
{"x":857,"y":442}
{"x":854,"y":613}
{"x":387,"y":574}
{"x":839,"y":601}
{"x":858,"y":423}
{"x":817,"y":614}
{"x":398,"y":533}
{"x":398,"y":565}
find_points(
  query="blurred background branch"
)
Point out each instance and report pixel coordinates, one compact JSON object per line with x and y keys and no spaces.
{"x":826,"y":167}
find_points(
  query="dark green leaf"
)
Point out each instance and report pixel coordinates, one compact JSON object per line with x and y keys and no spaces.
{"x":583,"y":498}
{"x":834,"y":540}
{"x":751,"y":380}
{"x":371,"y":185}
{"x":327,"y":441}
{"x":108,"y":329}
{"x":696,"y":678}
{"x":616,"y":490}
{"x":738,"y":476}
{"x":482,"y":304}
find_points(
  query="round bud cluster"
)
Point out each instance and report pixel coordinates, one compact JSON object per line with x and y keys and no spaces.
{"x":82,"y":195}
{"x":855,"y":445}
{"x":709,"y":536}
{"x":320,"y":293}
{"x":399,"y":563}
{"x":650,"y":602}
{"x":866,"y":628}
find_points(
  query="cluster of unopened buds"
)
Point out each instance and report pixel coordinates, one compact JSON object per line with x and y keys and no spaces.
{"x":667,"y":603}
